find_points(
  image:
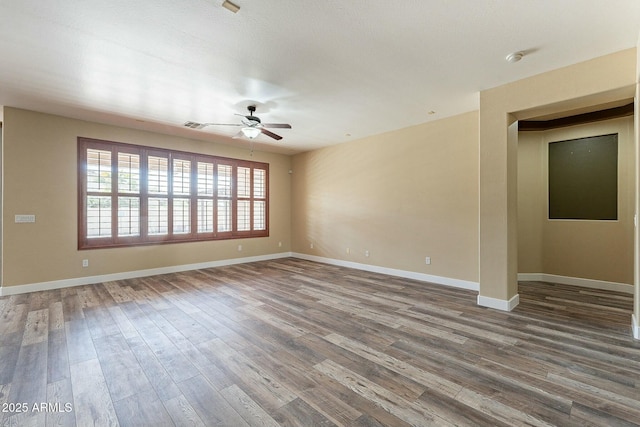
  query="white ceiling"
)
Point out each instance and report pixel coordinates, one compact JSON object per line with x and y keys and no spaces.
{"x":334,"y":70}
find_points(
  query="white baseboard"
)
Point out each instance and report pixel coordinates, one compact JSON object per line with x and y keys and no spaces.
{"x":499,"y":304}
{"x":577,"y":281}
{"x":66,"y":283}
{"x":440,"y":280}
{"x":635,"y":327}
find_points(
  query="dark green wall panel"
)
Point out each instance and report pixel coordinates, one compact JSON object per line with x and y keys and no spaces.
{"x":583,"y":178}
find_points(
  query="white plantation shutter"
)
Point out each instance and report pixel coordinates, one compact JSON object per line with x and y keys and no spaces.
{"x":158,"y":216}
{"x":128,"y":173}
{"x":225,"y":220}
{"x":205,"y":189}
{"x":244,"y":182}
{"x":259,"y":183}
{"x":181,"y":177}
{"x":224,"y":215}
{"x":181,"y":216}
{"x":128,"y":216}
{"x":259,"y":197}
{"x":205,"y":216}
{"x":137,"y":195}
{"x":98,"y":216}
{"x":244,"y":215}
{"x":158,"y":175}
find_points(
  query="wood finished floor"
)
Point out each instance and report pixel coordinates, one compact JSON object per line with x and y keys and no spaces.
{"x":296,"y":343}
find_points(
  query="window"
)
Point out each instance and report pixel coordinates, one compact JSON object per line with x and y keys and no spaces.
{"x":133,"y":195}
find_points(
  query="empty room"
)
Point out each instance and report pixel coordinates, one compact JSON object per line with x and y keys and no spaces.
{"x":287,"y":213}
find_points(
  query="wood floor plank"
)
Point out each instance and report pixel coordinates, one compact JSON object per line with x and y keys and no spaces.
{"x":71,"y":305}
{"x":592,"y":417}
{"x":504,"y":387}
{"x":29,"y":386}
{"x":620,"y":406}
{"x":294,"y":342}
{"x":396,"y":405}
{"x":499,"y":411}
{"x":142,"y":409}
{"x":157,"y":375}
{"x":124,"y":375}
{"x":79,"y":342}
{"x":261,"y":383}
{"x":58,"y":356}
{"x":326,"y":402}
{"x":298,"y":412}
{"x":120,"y":292}
{"x":174,"y":362}
{"x":136,"y":316}
{"x":274,"y":320}
{"x":13,"y":317}
{"x":56,"y":316}
{"x":432,"y":381}
{"x":60,"y":404}
{"x":249,"y":410}
{"x":100,"y":322}
{"x":122,"y":321}
{"x":219,"y":376}
{"x":36,"y":329}
{"x":182,"y":413}
{"x":9,"y":352}
{"x":210,"y":406}
{"x":91,"y":400}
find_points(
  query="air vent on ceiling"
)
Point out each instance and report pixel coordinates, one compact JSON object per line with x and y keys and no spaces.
{"x":194,"y":125}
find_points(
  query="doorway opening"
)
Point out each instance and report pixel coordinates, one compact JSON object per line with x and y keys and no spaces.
{"x":558,"y":255}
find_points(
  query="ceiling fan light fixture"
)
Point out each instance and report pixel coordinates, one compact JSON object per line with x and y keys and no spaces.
{"x":251,"y":132}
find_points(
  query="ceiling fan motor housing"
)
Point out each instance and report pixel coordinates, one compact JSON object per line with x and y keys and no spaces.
{"x":251,"y":117}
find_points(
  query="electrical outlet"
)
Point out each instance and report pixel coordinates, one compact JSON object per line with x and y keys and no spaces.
{"x":311,"y":245}
{"x":427,"y":260}
{"x":239,"y":248}
{"x":85,"y":263}
{"x":279,"y":244}
{"x":366,"y":253}
{"x":348,"y":251}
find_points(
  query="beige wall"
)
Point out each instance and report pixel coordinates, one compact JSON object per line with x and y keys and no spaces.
{"x":40,"y":177}
{"x":531,"y":201}
{"x":592,"y":82}
{"x":401,"y":195}
{"x":598,"y":250}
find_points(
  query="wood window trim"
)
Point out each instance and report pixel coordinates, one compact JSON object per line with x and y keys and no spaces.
{"x":143,"y":237}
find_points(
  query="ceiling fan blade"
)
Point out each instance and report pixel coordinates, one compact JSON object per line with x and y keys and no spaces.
{"x":238,"y":135}
{"x":277,"y":125}
{"x":196,"y":125}
{"x":271,"y":134}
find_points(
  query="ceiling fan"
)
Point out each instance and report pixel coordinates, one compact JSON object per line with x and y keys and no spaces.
{"x":252,"y":126}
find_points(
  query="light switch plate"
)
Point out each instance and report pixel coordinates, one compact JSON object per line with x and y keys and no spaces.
{"x":25,"y":218}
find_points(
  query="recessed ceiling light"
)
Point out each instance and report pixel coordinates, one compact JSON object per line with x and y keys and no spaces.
{"x":514,"y":57}
{"x":230,"y":6}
